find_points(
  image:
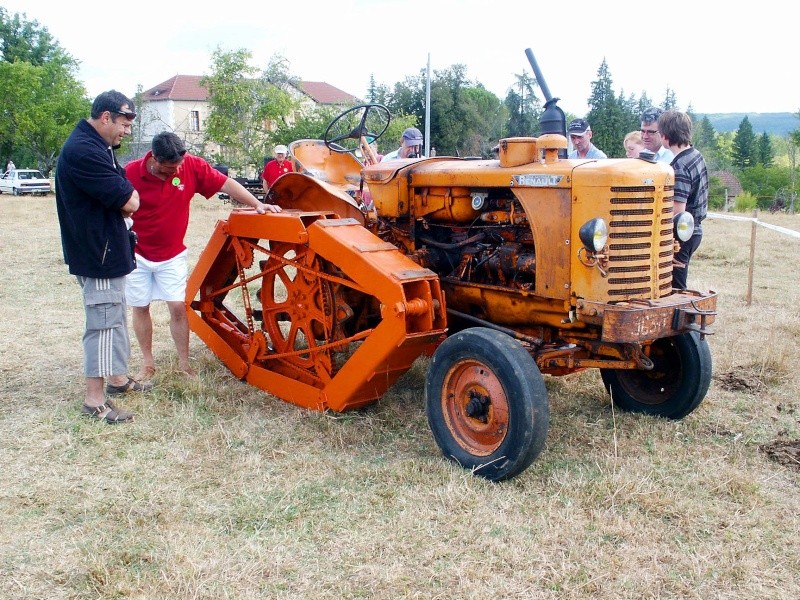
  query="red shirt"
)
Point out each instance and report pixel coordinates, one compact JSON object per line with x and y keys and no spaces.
{"x":163,"y":216}
{"x":273,"y":170}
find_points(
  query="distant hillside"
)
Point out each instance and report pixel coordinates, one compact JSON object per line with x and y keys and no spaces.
{"x":777,"y":123}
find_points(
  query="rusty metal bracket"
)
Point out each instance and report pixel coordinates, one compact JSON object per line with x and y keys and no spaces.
{"x":686,"y":319}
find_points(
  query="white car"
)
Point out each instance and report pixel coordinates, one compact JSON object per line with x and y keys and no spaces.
{"x":24,"y":181}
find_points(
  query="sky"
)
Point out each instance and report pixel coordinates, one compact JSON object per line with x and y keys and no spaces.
{"x":714,"y":57}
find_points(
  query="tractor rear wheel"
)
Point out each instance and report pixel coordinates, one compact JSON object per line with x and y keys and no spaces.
{"x":675,"y":386}
{"x":487,"y":403}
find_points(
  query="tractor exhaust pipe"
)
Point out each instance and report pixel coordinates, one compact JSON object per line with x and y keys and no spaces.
{"x":553,"y":119}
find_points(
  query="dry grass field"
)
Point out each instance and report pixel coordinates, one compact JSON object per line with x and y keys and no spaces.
{"x":218,"y":490}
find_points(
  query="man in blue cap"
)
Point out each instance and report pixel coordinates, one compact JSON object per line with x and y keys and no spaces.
{"x":410,"y":145}
{"x":580,"y":134}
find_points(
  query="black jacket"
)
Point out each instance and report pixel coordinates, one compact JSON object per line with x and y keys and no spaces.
{"x":91,"y":188}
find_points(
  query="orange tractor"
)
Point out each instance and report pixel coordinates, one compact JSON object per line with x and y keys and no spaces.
{"x":500,"y":270}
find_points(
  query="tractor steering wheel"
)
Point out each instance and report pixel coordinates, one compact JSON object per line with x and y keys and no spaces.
{"x":348,"y":131}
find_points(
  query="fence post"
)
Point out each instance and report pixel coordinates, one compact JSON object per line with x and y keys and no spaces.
{"x":752,"y":257}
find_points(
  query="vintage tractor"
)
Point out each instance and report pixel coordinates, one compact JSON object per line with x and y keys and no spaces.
{"x":499,"y":270}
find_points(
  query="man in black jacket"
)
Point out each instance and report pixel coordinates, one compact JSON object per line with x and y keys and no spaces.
{"x":94,"y":200}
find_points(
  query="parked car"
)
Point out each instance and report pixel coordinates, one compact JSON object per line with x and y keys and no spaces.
{"x":24,"y":181}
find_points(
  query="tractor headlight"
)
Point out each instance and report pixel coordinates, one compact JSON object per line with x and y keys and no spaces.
{"x":683,"y":225}
{"x":594,"y":235}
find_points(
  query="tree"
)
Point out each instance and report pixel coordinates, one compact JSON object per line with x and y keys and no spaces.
{"x":51,"y":114}
{"x":408,"y":97}
{"x":40,"y":98}
{"x":670,"y":100}
{"x":767,"y":183}
{"x":246,"y":106}
{"x":376,"y":93}
{"x":606,"y":116}
{"x":27,"y":41}
{"x":794,"y":136}
{"x":632,"y":110}
{"x":764,"y":150}
{"x":704,"y":138}
{"x":644,"y":104}
{"x":524,"y":108}
{"x":466,"y":119}
{"x":793,"y":142}
{"x":485,"y":118}
{"x":716,"y":193}
{"x":745,"y":152}
{"x":308,"y":125}
{"x":464,"y":115}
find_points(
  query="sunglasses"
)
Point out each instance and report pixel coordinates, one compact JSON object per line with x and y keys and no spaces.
{"x":127,"y":114}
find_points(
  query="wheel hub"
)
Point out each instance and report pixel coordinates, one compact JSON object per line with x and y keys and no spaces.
{"x":478,"y":406}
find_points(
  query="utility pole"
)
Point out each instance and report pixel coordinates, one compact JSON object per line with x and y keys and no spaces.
{"x":793,"y":157}
{"x":428,"y":109}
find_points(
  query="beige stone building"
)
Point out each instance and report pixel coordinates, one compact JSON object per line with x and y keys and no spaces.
{"x":180,"y":104}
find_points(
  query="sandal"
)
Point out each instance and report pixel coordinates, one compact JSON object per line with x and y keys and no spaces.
{"x":107,"y":412}
{"x":129,"y":386}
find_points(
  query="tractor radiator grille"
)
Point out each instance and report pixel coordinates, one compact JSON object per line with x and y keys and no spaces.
{"x":640,"y":244}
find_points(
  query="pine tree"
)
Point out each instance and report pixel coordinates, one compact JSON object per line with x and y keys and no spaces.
{"x":765,"y":152}
{"x":745,"y":151}
{"x":606,"y":114}
{"x":670,"y":101}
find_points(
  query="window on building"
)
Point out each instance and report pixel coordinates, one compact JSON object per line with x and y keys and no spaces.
{"x":194,"y":120}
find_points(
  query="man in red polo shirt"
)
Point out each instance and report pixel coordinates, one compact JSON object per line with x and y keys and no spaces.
{"x":276,"y":167}
{"x":167,"y":178}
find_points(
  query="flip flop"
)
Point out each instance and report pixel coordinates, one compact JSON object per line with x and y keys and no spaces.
{"x":130,"y":386}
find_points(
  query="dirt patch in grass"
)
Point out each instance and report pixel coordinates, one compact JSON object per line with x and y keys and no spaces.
{"x":738,"y":381}
{"x":784,"y":452}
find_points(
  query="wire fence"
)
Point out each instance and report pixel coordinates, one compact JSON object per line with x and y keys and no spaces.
{"x":755,"y":223}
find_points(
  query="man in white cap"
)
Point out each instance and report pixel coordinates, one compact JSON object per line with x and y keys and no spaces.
{"x":410,"y":145}
{"x":580,"y":134}
{"x":276,"y":167}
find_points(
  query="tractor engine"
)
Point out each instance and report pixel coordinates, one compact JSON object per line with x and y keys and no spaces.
{"x":501,"y":255}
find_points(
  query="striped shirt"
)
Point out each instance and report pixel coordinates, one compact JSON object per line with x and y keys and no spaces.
{"x":691,"y":184}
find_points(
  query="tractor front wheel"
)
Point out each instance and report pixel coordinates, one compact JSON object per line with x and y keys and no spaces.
{"x":674,"y":387}
{"x":487,"y":403}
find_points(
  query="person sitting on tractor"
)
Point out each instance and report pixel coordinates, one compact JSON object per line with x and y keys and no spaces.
{"x":410,"y":145}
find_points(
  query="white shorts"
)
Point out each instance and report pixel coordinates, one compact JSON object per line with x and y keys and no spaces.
{"x":165,"y":280}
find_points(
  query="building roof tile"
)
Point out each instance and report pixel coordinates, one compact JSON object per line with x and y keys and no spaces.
{"x":324,"y":93}
{"x":188,"y":87}
{"x":730,"y":182}
{"x":179,"y":87}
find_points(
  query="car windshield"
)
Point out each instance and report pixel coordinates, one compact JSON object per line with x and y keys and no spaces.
{"x":30,"y":175}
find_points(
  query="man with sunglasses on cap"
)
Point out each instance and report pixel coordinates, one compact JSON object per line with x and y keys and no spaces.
{"x":580,"y":134}
{"x":276,"y":167}
{"x":410,"y":145}
{"x":652,"y":138}
{"x":94,"y":200}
